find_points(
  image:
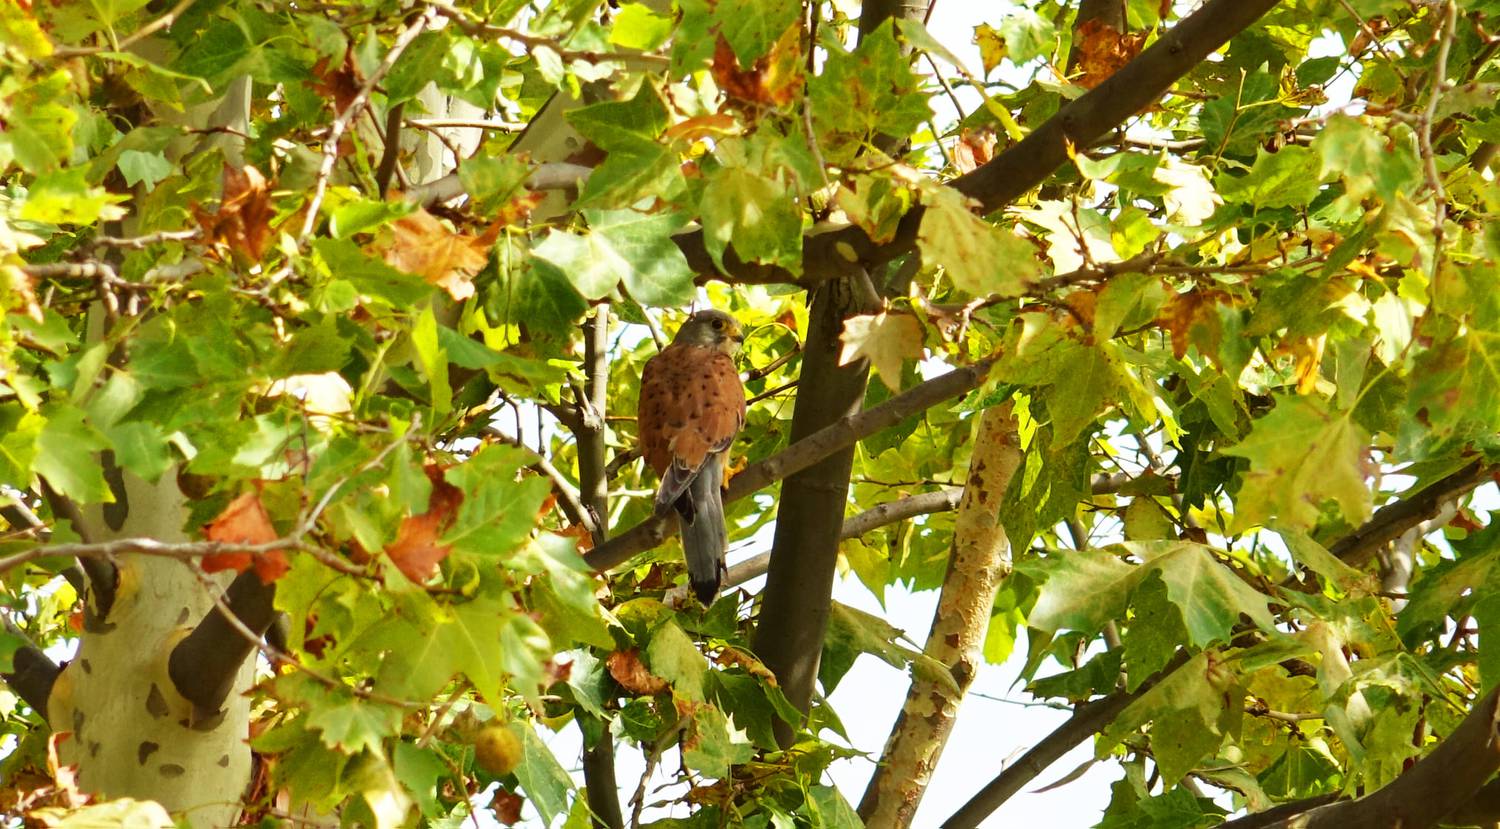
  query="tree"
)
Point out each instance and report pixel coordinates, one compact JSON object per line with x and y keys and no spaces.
{"x":321,"y":330}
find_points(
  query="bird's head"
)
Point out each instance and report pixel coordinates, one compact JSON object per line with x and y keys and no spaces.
{"x":712,"y":329}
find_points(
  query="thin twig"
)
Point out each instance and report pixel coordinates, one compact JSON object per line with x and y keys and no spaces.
{"x":533,"y":42}
{"x":1424,"y":133}
{"x":141,"y":242}
{"x":129,"y":40}
{"x":341,"y":122}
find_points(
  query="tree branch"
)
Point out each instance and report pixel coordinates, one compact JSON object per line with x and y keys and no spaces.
{"x":1448,"y":780}
{"x":1007,"y":176}
{"x":101,"y":572}
{"x":1088,"y":719}
{"x":203,"y":666}
{"x":1388,"y":523}
{"x":593,"y":484}
{"x":32,"y":673}
{"x":801,"y":454}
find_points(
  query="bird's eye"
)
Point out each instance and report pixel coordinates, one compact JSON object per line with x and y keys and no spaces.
{"x":718,"y":325}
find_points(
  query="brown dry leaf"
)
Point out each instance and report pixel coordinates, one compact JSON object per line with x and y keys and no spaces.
{"x":423,"y":246}
{"x":1081,"y":307}
{"x":507,"y":807}
{"x":774,"y":80}
{"x":341,"y":84}
{"x":416,"y":551}
{"x":974,"y":148}
{"x":243,"y":220}
{"x":1187,"y":314}
{"x":628,"y":670}
{"x":753,"y":666}
{"x":245,"y":521}
{"x":580,"y":535}
{"x":1102,"y":51}
{"x":513,"y":212}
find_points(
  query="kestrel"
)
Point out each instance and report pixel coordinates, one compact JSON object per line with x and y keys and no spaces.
{"x":692,"y":406}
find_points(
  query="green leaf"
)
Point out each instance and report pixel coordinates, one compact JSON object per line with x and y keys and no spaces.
{"x":351,"y":724}
{"x":65,"y":456}
{"x":830,"y":810}
{"x":141,"y":448}
{"x":751,"y":26}
{"x":364,"y":215}
{"x":419,"y":770}
{"x":1154,"y":633}
{"x":672,"y":656}
{"x":1367,"y":160}
{"x":636,"y":26}
{"x":756,"y":214}
{"x":1301,"y":454}
{"x":38,"y":125}
{"x":370,"y":276}
{"x":1208,"y":594}
{"x":1081,"y":589}
{"x":712,"y":744}
{"x":144,"y":168}
{"x":1188,"y":710}
{"x":1286,"y":178}
{"x":434,"y":361}
{"x":870,"y":90}
{"x":1027,"y":35}
{"x":543,"y":779}
{"x":64,"y":197}
{"x":980,"y":259}
{"x":623,"y":245}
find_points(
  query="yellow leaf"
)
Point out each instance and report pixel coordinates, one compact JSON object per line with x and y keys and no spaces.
{"x":885,"y":340}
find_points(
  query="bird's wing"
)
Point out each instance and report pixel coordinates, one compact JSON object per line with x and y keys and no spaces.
{"x":692,"y":405}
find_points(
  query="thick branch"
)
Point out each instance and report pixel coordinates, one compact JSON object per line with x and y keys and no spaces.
{"x":979,"y":562}
{"x":32,"y":673}
{"x":203,"y":666}
{"x":1449,"y":779}
{"x":804,"y":553}
{"x":1386,"y":525}
{"x":801,"y":454}
{"x":1087,"y":720}
{"x":1136,"y":86}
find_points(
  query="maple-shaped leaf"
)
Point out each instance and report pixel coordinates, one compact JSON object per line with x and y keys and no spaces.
{"x":416,"y":550}
{"x":1301,"y":454}
{"x":773,"y":79}
{"x":243,"y":220}
{"x":980,"y":258}
{"x":633,"y":675}
{"x":245,"y":521}
{"x":885,"y":340}
{"x":421,"y":245}
{"x":1102,"y":50}
{"x":1192,"y":317}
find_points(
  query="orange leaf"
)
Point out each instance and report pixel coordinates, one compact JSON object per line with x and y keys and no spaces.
{"x":973,"y":149}
{"x":773,"y":80}
{"x":423,"y":246}
{"x":1102,"y":51}
{"x":243,"y":220}
{"x":628,"y":670}
{"x":244,"y":521}
{"x":416,"y":551}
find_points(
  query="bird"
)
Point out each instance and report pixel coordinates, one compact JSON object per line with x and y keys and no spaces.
{"x":692,"y":405}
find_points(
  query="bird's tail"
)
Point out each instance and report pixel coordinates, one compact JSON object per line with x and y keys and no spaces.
{"x":704,"y":535}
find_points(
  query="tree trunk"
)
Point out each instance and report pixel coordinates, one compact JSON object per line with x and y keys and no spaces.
{"x":979,"y":563}
{"x":133,"y":733}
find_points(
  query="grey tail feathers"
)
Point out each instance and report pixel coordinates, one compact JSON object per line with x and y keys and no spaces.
{"x":705,"y":538}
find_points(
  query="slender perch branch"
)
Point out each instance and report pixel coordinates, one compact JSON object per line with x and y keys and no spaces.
{"x":593,"y":484}
{"x":802,"y":454}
